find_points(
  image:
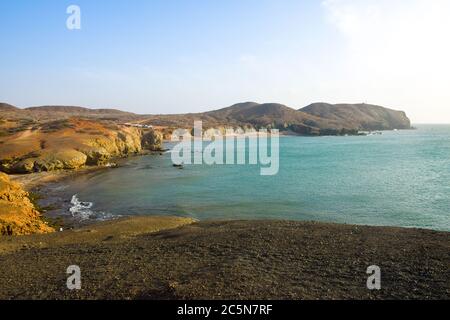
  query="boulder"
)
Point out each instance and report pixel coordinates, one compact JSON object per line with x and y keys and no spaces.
{"x":23,"y":166}
{"x":152,"y":140}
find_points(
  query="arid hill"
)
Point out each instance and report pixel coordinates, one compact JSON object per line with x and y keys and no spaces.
{"x":49,"y":113}
{"x":360,"y":116}
{"x":4,"y":107}
{"x":71,"y":144}
{"x":315,"y":119}
{"x":270,"y":115}
{"x":248,"y":114}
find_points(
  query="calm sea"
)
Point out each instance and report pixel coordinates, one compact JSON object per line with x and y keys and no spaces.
{"x":399,"y":178}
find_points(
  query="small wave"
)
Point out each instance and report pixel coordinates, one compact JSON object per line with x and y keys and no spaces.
{"x":83,"y":210}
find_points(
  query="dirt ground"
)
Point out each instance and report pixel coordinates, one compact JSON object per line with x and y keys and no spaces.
{"x":176,"y":258}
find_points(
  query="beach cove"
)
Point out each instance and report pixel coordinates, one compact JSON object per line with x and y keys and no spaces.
{"x":384,"y":180}
{"x":129,"y":249}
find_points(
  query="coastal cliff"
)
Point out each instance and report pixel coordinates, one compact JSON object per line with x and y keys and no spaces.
{"x":18,"y":216}
{"x":72,"y":144}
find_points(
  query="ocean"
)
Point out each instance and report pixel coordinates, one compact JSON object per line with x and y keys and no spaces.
{"x":398,"y":178}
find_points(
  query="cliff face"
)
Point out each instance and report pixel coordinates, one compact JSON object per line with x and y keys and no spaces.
{"x":17,"y":214}
{"x":72,"y":144}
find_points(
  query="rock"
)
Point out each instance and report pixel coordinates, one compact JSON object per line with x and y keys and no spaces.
{"x":18,"y":215}
{"x":95,"y":155}
{"x":74,"y":145}
{"x":71,"y":159}
{"x":63,"y":159}
{"x":152,"y":141}
{"x":23,"y":166}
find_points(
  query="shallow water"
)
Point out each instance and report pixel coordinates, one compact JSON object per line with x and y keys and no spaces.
{"x":400,"y":178}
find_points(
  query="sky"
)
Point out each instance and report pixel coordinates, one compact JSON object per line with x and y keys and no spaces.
{"x":169,"y":56}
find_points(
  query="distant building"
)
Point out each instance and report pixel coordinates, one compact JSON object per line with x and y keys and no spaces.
{"x":138,"y":125}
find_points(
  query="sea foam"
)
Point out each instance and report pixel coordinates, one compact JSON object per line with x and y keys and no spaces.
{"x":82,"y":210}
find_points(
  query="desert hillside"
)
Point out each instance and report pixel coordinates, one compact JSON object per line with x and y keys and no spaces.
{"x":32,"y":146}
{"x":361,"y":116}
{"x":49,"y":113}
{"x":316,"y":119}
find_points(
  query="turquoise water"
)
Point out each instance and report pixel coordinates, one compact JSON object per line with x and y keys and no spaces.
{"x":400,"y":178}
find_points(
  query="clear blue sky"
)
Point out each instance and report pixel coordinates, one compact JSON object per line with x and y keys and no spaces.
{"x":167,"y":56}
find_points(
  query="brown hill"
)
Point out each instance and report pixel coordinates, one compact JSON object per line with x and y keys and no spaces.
{"x":8,"y":111}
{"x":270,"y":115}
{"x":261,"y":114}
{"x":360,"y":116}
{"x":49,"y":113}
{"x":58,"y":112}
{"x":315,"y":119}
{"x":4,"y":107}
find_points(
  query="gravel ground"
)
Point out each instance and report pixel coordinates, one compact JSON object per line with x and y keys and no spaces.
{"x":131,"y":259}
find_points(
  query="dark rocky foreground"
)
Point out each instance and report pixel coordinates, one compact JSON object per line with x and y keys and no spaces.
{"x":227,"y":260}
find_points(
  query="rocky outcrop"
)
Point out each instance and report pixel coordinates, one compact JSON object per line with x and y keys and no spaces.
{"x":153,"y":141}
{"x":18,"y":215}
{"x":72,"y":144}
{"x":48,"y":161}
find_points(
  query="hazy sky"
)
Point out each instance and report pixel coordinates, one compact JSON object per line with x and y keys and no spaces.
{"x":167,"y":56}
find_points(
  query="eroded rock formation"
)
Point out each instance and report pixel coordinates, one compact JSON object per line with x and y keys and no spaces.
{"x":18,"y":216}
{"x":72,"y":144}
